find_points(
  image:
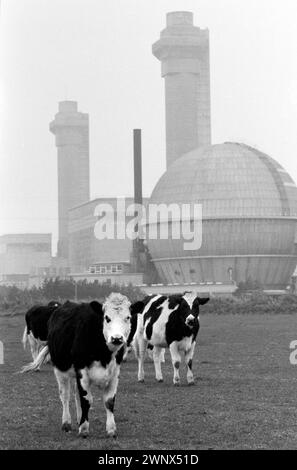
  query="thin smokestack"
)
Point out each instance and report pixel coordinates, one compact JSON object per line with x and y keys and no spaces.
{"x":137,"y":166}
{"x":137,"y":243}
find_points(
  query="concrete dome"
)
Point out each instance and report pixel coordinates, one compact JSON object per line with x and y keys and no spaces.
{"x":249,"y":205}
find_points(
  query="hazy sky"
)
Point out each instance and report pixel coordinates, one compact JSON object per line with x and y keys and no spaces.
{"x":98,"y":52}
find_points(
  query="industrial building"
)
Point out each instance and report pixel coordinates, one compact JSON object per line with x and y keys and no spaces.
{"x":25,"y":259}
{"x":249,"y":205}
{"x":91,"y":258}
{"x":249,"y":202}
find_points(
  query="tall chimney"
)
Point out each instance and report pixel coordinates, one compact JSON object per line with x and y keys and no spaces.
{"x":137,"y":166}
{"x":71,"y":129}
{"x":137,"y":246}
{"x":183,"y":50}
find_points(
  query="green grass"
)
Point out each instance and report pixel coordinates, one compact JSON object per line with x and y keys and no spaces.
{"x":244,"y":398}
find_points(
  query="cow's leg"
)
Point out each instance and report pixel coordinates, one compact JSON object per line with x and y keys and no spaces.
{"x":150,"y":351}
{"x":127,"y":350}
{"x":163,"y":355}
{"x":176,"y":360}
{"x":63,"y":380}
{"x":83,"y":385}
{"x":33,"y":345}
{"x":189,"y":361}
{"x":77,"y":402}
{"x":40,"y":346}
{"x":109,"y":395}
{"x":140,"y":345}
{"x":157,"y":351}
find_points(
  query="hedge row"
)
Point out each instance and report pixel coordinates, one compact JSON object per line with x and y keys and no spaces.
{"x":256,"y":302}
{"x":11,"y":297}
{"x":252,"y":303}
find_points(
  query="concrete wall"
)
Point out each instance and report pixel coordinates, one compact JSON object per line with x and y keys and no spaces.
{"x":211,"y":289}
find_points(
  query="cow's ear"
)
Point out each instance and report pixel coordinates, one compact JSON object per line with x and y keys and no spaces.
{"x":202,"y":300}
{"x":199,"y":301}
{"x":137,"y":307}
{"x":96,"y":306}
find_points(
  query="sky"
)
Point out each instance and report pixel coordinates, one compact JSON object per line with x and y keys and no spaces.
{"x":98,"y":53}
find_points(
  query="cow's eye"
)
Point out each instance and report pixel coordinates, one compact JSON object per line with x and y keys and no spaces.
{"x":107,"y":319}
{"x":128,"y":318}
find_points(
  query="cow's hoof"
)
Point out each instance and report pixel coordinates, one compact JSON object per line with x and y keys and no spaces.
{"x":191,"y":383}
{"x":84,"y":430}
{"x":176,"y":384}
{"x":37,"y":370}
{"x":160,"y":380}
{"x":66,"y":427}
{"x":141,"y":380}
{"x":112,"y":434}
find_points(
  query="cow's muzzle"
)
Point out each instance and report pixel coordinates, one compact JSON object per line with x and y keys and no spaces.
{"x":190,"y":321}
{"x":117,"y":340}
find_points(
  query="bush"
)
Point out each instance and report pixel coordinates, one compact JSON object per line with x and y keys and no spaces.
{"x":252,"y":303}
{"x":11,"y":297}
{"x":247,"y":302}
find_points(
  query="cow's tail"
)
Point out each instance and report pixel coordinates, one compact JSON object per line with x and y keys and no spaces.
{"x":25,"y":337}
{"x":40,"y":359}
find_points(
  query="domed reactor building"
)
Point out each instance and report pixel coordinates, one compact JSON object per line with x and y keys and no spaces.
{"x":249,"y":202}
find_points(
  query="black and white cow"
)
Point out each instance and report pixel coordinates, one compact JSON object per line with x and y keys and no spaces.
{"x":36,"y":329}
{"x":131,"y":338}
{"x":168,"y":322}
{"x":86,"y":343}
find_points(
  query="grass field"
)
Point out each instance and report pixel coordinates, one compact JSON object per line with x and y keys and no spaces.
{"x":244,"y":398}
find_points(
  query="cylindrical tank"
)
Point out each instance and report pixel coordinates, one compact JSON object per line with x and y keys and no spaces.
{"x":249,"y":217}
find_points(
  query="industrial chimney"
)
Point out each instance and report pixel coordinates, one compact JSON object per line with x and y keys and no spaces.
{"x":137,"y":166}
{"x":137,"y":247}
{"x":183,"y":50}
{"x":71,"y":129}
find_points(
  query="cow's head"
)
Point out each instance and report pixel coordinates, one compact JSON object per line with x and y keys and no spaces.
{"x":117,"y":314}
{"x":193,"y":301}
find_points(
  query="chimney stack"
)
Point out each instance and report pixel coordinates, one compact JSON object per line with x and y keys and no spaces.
{"x":71,"y":129}
{"x":183,"y":50}
{"x":137,"y":166}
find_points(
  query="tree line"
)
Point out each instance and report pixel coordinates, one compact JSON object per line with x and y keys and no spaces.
{"x":62,"y":290}
{"x":245,"y":301}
